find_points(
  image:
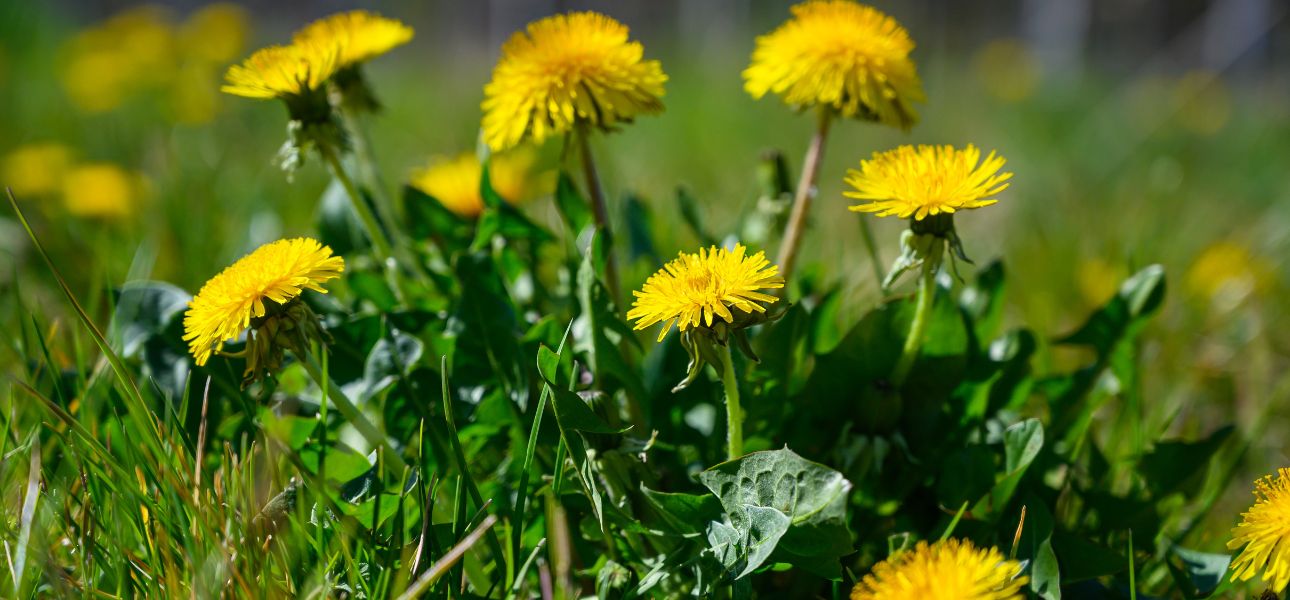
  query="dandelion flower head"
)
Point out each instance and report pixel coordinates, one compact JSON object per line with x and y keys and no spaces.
{"x":843,"y":55}
{"x":564,"y":69}
{"x":926,"y":180}
{"x":1265,"y":532}
{"x":286,"y":72}
{"x":358,"y":34}
{"x":946,"y":570}
{"x":693,"y":289}
{"x":276,"y":272}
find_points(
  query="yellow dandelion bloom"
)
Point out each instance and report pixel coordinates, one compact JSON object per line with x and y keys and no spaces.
{"x":949,"y":570}
{"x":454,"y":182}
{"x":360,"y":35}
{"x":215,"y":33}
{"x":840,"y":54}
{"x":1228,"y":271}
{"x":275,"y":272}
{"x":1265,"y":533}
{"x":118,"y":59}
{"x":283,"y":71}
{"x":516,"y":175}
{"x":565,"y":69}
{"x":101,"y":190}
{"x":927,"y":180}
{"x":35,"y":168}
{"x":693,"y":288}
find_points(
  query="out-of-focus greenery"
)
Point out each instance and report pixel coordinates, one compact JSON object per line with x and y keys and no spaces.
{"x":131,"y":166}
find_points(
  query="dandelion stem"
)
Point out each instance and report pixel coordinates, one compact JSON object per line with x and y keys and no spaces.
{"x":368,"y":173}
{"x":922,"y":312}
{"x":805,"y":193}
{"x":332,"y":393}
{"x":734,"y":412}
{"x":380,"y":243}
{"x":866,"y":233}
{"x":598,"y":207}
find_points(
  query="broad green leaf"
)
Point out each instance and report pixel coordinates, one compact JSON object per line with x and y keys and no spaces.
{"x":1178,"y":466}
{"x":1198,"y":573}
{"x":812,"y":495}
{"x":392,"y":358}
{"x":682,"y":514}
{"x":742,"y":547}
{"x":1036,"y":548}
{"x":144,"y":309}
{"x":571,"y":410}
{"x":1021,"y":443}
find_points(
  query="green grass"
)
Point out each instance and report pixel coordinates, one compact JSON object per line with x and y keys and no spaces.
{"x":531,"y":444}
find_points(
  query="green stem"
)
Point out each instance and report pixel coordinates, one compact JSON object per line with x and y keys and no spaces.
{"x":368,"y":173}
{"x":734,"y":412}
{"x":866,"y":233}
{"x":380,"y":243}
{"x":598,"y":207}
{"x":332,"y":393}
{"x":805,"y":193}
{"x":922,"y":313}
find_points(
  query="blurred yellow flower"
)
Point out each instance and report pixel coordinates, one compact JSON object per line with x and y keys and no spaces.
{"x":691,"y":289}
{"x":359,"y":34}
{"x":1007,"y":70}
{"x":455,"y":182}
{"x":950,"y":569}
{"x":101,"y":190}
{"x":285,"y":72}
{"x":927,"y":180}
{"x":1265,"y":532}
{"x":215,"y":33}
{"x":565,"y":69}
{"x":840,"y":54}
{"x":258,"y":284}
{"x":1228,"y":270}
{"x":36,"y":168}
{"x":516,"y":175}
{"x":109,"y":63}
{"x":194,"y":95}
{"x":1099,"y":280}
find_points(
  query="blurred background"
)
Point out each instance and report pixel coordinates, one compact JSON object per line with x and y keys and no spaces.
{"x":1140,"y":132}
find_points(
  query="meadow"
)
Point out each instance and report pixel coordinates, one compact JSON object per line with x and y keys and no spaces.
{"x":446,"y":358}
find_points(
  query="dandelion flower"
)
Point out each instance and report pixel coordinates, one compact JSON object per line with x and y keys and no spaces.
{"x":1265,"y":533}
{"x":215,"y":33}
{"x":693,"y":288}
{"x":260,"y":284}
{"x":565,"y":69}
{"x":284,"y":72}
{"x":843,"y":55}
{"x":360,"y":35}
{"x":927,"y":180}
{"x":100,"y":190}
{"x":1229,"y":272}
{"x":948,"y":570}
{"x":35,"y":168}
{"x":454,"y":182}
